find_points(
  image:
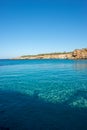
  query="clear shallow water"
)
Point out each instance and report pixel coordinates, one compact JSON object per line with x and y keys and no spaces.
{"x":42,"y":94}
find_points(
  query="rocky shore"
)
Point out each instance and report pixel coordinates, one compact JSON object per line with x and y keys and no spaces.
{"x":76,"y":54}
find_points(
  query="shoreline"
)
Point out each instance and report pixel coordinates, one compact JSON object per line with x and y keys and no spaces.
{"x":76,"y":54}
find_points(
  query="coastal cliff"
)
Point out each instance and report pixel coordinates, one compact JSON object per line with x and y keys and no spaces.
{"x":80,"y":54}
{"x":76,"y":54}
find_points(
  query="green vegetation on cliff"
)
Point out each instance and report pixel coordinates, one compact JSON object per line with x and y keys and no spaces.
{"x":76,"y":54}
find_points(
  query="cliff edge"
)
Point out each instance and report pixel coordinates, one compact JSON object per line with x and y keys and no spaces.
{"x":76,"y":54}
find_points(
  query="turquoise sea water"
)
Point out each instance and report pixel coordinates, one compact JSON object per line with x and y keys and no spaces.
{"x":43,"y":94}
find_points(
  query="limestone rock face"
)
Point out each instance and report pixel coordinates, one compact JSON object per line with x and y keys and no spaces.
{"x":79,"y":54}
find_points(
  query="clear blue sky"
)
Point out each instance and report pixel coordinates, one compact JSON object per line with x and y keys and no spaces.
{"x":42,"y":26}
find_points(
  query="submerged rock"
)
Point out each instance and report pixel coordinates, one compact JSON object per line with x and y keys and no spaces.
{"x":79,"y":99}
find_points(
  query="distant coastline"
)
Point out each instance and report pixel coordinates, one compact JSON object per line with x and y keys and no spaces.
{"x":76,"y":54}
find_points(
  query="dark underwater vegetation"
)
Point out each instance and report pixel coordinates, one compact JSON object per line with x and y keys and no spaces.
{"x":43,"y":94}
